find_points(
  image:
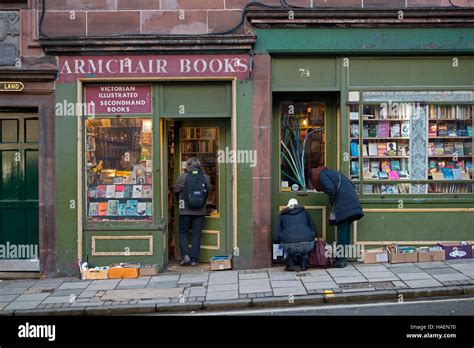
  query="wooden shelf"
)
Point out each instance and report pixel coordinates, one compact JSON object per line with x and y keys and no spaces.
{"x":449,"y":137}
{"x":449,"y":156}
{"x":395,"y":138}
{"x":375,"y":157}
{"x":386,"y":119}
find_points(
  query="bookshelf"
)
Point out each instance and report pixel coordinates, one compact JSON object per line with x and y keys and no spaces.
{"x":119,"y":169}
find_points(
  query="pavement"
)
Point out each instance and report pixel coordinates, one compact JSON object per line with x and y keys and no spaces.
{"x":201,"y":289}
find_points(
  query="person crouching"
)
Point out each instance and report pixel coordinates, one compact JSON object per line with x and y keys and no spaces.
{"x":296,"y":232}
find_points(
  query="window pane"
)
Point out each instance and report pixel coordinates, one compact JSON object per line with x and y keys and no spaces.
{"x":119,"y":169}
{"x":9,"y":131}
{"x":31,"y":130}
{"x":302,"y":145}
{"x":203,"y":143}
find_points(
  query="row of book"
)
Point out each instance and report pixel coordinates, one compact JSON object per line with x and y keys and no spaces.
{"x":199,"y":146}
{"x":120,"y":191}
{"x":450,"y":148}
{"x":448,"y":173}
{"x":383,"y":129}
{"x":450,"y":112}
{"x":437,"y":165}
{"x":391,"y":170}
{"x":141,"y":174}
{"x":380,"y":149}
{"x":115,"y":208}
{"x":450,"y":188}
{"x":449,"y":130}
{"x":386,"y":189}
{"x":384,"y":111}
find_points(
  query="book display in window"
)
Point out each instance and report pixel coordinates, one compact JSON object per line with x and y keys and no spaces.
{"x":354,"y":143}
{"x":386,"y":147}
{"x":203,"y":143}
{"x":450,"y":147}
{"x":119,"y":166}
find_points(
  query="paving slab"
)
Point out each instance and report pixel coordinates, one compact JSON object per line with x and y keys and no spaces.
{"x":155,"y":301}
{"x":247,"y":276}
{"x":383,"y":279}
{"x":162,"y":285}
{"x":285,"y":283}
{"x":423,"y":283}
{"x":11,"y":291}
{"x":284,"y":276}
{"x":318,"y":272}
{"x":414,"y":276}
{"x":295,"y":290}
{"x":193,"y":280}
{"x":223,"y":295}
{"x":17,"y":283}
{"x":399,"y":284}
{"x":136,"y":294}
{"x":446,"y":270}
{"x":3,"y":305}
{"x":195,"y":292}
{"x":223,"y":287}
{"x":138,"y":283}
{"x":165,"y":278}
{"x":450,"y":277}
{"x":31,"y":297}
{"x":22,"y":305}
{"x":321,"y":285}
{"x":57,"y":299}
{"x":88,"y":304}
{"x":103,"y":284}
{"x":344,"y":273}
{"x":383,"y":274}
{"x":74,"y":285}
{"x":371,"y":268}
{"x":407,"y":269}
{"x":399,"y":265}
{"x":434,"y":264}
{"x":66,"y":292}
{"x":313,"y":279}
{"x":347,"y":280}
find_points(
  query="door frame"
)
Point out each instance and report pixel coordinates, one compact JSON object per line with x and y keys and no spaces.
{"x":38,"y":96}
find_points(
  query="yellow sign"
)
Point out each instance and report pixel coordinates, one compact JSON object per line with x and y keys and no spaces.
{"x":11,"y":86}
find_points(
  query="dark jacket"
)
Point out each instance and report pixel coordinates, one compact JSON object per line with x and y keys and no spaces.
{"x":294,"y":225}
{"x":347,"y":201}
{"x":179,"y":188}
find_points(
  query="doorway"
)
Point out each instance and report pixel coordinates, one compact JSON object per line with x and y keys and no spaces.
{"x":19,"y":219}
{"x":203,"y":139}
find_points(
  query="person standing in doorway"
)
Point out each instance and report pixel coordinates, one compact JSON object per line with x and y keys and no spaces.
{"x":344,"y":201}
{"x":192,"y":188}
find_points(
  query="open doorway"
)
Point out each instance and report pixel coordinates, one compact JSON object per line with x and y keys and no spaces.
{"x":203,"y":139}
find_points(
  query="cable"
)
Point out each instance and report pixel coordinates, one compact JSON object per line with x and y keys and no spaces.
{"x":43,"y":12}
{"x":451,"y":2}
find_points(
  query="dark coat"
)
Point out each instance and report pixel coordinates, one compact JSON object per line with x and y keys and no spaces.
{"x":294,"y":225}
{"x":178,"y":190}
{"x":347,"y":201}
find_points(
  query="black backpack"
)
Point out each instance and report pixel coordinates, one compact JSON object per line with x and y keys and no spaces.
{"x":195,"y":192}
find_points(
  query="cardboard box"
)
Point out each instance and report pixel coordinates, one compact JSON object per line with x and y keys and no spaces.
{"x":456,"y":251}
{"x":148,"y":270}
{"x":91,"y":274}
{"x":400,"y":257}
{"x":220,"y":263}
{"x":278,"y":253}
{"x":123,"y":272}
{"x":429,"y":256}
{"x":375,"y":255}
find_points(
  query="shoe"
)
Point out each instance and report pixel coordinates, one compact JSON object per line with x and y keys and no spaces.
{"x":194,"y":264}
{"x":185,"y":261}
{"x":290,"y":265}
{"x":340,"y":262}
{"x":304,"y":262}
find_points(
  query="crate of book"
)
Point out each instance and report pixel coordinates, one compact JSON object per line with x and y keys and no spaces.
{"x":124,"y":270}
{"x":429,"y":254}
{"x":95,"y":273}
{"x":220,"y":263}
{"x":378,"y":255}
{"x":148,"y":270}
{"x":402,"y":254}
{"x":459,"y":250}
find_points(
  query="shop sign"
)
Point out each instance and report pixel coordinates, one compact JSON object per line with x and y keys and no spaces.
{"x":73,"y":68}
{"x":11,"y":86}
{"x":121,"y":99}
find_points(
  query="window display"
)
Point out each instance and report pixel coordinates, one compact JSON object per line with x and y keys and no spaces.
{"x":302,"y":143}
{"x":403,"y":142}
{"x":119,"y":169}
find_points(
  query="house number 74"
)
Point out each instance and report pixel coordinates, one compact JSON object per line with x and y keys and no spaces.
{"x":304,"y":72}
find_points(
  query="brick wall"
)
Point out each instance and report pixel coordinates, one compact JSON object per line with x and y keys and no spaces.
{"x":116,"y":17}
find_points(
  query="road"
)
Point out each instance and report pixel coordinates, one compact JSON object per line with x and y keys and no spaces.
{"x":453,"y":306}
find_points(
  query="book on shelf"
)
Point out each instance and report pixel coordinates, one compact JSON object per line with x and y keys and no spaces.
{"x":447,"y":173}
{"x":395,"y":165}
{"x":373,"y":149}
{"x":443,"y":130}
{"x":364,"y":150}
{"x":112,"y":207}
{"x":452,"y":130}
{"x":127,"y":191}
{"x":141,"y":209}
{"x":110,"y":191}
{"x":355,"y":168}
{"x":101,"y":189}
{"x":439,"y":149}
{"x":131,"y":208}
{"x":392,"y":148}
{"x":119,"y":191}
{"x":149,"y":209}
{"x":432,"y":166}
{"x":405,"y":129}
{"x":469,"y":131}
{"x":383,"y":129}
{"x":122,"y":209}
{"x":354,"y":149}
{"x":449,"y":164}
{"x":366,"y":169}
{"x":395,"y":130}
{"x":354,"y":130}
{"x":460,"y":164}
{"x":374,"y":166}
{"x":381,"y":149}
{"x":385,"y":166}
{"x":137,"y":191}
{"x":461,"y":131}
{"x":147,"y":191}
{"x":433,"y":129}
{"x":448,"y":149}
{"x":459,"y":148}
{"x":383,"y":174}
{"x":365,"y":130}
{"x":92,"y":192}
{"x":393,"y":175}
{"x":389,"y":189}
{"x":403,"y":174}
{"x":93,"y":209}
{"x":402,"y":149}
{"x":118,"y":180}
{"x":148,"y":166}
{"x":431,"y":149}
{"x":438,"y":176}
{"x":468,"y":148}
{"x":372,"y":130}
{"x":102,"y":209}
{"x":457,"y":173}
{"x":353,"y":115}
{"x":367,"y":189}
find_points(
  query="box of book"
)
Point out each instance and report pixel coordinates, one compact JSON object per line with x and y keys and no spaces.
{"x":401,"y":254}
{"x":455,"y":251}
{"x":148,"y":270}
{"x":220,"y":263}
{"x":95,"y":273}
{"x":375,"y":255}
{"x":278,"y":253}
{"x":427,"y":254}
{"x":122,"y":271}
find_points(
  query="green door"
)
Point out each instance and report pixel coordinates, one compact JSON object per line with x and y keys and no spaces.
{"x":304,"y":137}
{"x":203,"y":139}
{"x":19,"y":185}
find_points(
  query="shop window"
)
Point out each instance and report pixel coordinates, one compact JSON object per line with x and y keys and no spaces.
{"x":119,"y":169}
{"x":413,"y":147}
{"x":203,"y":143}
{"x":302,"y":143}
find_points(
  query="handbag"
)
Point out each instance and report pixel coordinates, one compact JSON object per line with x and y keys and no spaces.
{"x":317,"y":256}
{"x":332,"y":214}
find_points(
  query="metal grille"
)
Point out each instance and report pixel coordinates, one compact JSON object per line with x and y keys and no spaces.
{"x":365,"y":285}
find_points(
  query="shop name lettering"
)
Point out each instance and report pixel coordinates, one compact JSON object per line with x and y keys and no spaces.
{"x":155,"y":66}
